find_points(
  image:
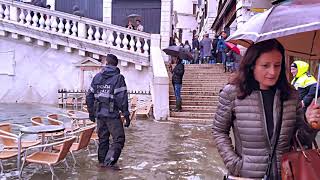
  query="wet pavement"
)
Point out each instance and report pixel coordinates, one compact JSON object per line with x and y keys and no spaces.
{"x":153,"y":150}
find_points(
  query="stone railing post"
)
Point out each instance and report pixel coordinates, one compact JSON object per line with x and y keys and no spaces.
{"x":82,"y":30}
{"x":160,"y":82}
{"x":14,"y":13}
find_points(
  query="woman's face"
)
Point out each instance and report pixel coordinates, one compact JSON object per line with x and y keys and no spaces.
{"x":267,"y":69}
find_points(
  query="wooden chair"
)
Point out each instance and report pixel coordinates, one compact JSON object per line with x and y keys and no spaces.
{"x":10,"y":140}
{"x":82,"y":141}
{"x":133,"y":102}
{"x":49,"y":158}
{"x":132,"y":116}
{"x":145,"y":109}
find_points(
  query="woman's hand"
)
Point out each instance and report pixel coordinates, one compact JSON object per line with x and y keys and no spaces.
{"x":313,"y":115}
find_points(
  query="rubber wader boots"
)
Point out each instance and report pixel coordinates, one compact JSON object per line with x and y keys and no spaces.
{"x":178,"y":106}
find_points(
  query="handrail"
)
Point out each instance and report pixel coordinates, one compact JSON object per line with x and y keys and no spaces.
{"x":76,"y":18}
{"x":76,"y":29}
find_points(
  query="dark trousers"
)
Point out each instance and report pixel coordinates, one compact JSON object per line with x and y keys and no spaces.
{"x":107,"y":127}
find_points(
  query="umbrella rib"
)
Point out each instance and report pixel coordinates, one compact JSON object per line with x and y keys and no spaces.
{"x":313,"y":41}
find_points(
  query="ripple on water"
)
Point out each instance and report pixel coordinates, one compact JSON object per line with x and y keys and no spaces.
{"x":153,"y":150}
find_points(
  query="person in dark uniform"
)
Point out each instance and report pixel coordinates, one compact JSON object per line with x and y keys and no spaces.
{"x":106,"y":97}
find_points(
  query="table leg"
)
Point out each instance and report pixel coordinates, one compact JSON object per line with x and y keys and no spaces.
{"x":19,"y":151}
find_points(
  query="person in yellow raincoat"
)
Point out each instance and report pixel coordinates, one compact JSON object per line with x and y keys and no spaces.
{"x":304,"y":82}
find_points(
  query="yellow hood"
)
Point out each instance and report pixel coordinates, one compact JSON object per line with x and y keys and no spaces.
{"x":302,"y":67}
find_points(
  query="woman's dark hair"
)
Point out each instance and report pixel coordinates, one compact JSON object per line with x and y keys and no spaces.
{"x":244,"y":79}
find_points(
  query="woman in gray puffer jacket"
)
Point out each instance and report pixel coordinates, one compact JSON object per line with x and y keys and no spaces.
{"x":250,"y":105}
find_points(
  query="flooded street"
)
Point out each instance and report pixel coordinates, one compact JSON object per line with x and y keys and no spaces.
{"x":153,"y":150}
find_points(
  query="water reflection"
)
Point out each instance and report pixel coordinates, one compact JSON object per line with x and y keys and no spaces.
{"x":153,"y":150}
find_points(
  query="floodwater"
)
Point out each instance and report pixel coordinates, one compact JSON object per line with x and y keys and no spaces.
{"x":153,"y":150}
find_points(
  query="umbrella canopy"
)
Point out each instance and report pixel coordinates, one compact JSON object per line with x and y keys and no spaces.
{"x":233,"y":47}
{"x":296,"y":25}
{"x":178,"y":51}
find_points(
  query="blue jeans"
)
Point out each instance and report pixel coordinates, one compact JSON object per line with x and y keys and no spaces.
{"x":177,"y":91}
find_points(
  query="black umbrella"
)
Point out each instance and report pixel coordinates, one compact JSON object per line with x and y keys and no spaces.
{"x":178,"y":51}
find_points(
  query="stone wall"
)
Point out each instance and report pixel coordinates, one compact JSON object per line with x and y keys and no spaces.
{"x":33,"y":74}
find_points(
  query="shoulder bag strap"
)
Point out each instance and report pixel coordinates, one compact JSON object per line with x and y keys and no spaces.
{"x":274,"y":145}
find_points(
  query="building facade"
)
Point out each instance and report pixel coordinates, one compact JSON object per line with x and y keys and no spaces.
{"x":184,"y":22}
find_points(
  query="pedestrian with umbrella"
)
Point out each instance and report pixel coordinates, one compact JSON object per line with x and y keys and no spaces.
{"x":179,"y":53}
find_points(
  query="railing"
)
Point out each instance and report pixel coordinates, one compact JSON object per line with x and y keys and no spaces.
{"x":76,"y":27}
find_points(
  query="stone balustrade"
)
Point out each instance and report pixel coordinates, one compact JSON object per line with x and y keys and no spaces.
{"x":133,"y":43}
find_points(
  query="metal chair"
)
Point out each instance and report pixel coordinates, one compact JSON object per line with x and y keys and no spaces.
{"x":39,"y":121}
{"x":12,"y":142}
{"x":7,"y":153}
{"x":49,"y":158}
{"x":82,"y":141}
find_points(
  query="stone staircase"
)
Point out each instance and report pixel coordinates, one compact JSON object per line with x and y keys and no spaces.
{"x":200,"y":90}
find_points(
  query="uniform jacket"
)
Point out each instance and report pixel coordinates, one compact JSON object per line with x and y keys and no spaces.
{"x":305,"y":83}
{"x":249,"y":157}
{"x":107,"y":94}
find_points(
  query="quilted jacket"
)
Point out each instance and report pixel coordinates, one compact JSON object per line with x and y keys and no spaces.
{"x":248,"y":157}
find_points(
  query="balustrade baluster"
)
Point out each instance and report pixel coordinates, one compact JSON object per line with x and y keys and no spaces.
{"x":1,"y":11}
{"x":68,"y":27}
{"x":61,"y":25}
{"x":21,"y":16}
{"x":6,"y":13}
{"x":104,"y":36}
{"x":41,"y":21}
{"x":48,"y":22}
{"x":35,"y":19}
{"x":138,"y":44}
{"x":118,"y":40}
{"x":132,"y":43}
{"x":74,"y":28}
{"x":28,"y":18}
{"x":54,"y":24}
{"x":90,"y":33}
{"x":146,"y":47}
{"x":125,"y":41}
{"x":97,"y":34}
{"x":111,"y":38}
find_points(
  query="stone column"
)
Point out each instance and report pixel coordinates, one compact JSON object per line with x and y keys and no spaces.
{"x":14,"y":13}
{"x":82,"y":30}
{"x":165,"y":26}
{"x":52,"y":3}
{"x":107,"y":11}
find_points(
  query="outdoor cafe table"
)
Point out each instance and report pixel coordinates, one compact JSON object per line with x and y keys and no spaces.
{"x":36,"y":130}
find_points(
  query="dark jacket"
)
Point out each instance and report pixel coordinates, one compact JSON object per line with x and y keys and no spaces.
{"x":107,"y":94}
{"x":195,"y":44}
{"x":177,"y":73}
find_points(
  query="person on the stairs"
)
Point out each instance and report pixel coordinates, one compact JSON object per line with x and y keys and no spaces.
{"x":177,"y":75}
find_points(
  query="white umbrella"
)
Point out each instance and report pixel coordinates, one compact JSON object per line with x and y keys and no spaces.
{"x":296,"y":25}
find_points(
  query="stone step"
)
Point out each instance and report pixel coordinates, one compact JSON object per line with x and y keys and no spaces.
{"x":199,"y":86}
{"x":196,"y":98}
{"x":199,"y":93}
{"x":195,"y":103}
{"x":190,"y":120}
{"x":192,"y":88}
{"x":207,"y":109}
{"x":196,"y":86}
{"x":192,"y":114}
